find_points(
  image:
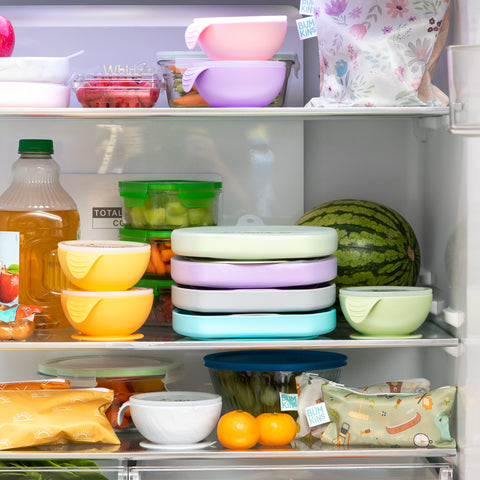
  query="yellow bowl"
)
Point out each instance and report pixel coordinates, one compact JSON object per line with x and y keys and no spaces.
{"x":107,"y":314}
{"x":103,"y":265}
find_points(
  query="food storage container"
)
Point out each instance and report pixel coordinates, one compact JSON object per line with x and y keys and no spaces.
{"x":107,"y":316}
{"x":298,"y":325}
{"x":236,"y":83}
{"x":385,"y":311}
{"x":36,"y":69}
{"x":103,"y":265}
{"x":34,"y":95}
{"x":170,"y":204}
{"x":253,"y":274}
{"x":256,"y":242}
{"x":161,"y":312}
{"x":117,"y":91}
{"x":160,"y":253}
{"x":238,"y":38}
{"x":173,"y":418}
{"x":124,"y":374}
{"x":172,"y":66}
{"x":253,"y":300}
{"x":254,"y":380}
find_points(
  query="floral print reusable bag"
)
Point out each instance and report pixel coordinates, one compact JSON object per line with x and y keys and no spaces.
{"x":379,"y":53}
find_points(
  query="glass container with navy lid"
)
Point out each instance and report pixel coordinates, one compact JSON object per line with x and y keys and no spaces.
{"x":253,"y":380}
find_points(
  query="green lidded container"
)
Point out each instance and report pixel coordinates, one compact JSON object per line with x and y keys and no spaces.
{"x":170,"y":204}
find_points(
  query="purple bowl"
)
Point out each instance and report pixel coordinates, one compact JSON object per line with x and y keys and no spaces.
{"x":236,"y":83}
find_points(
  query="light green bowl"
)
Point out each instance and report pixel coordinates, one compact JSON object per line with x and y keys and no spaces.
{"x":385,"y":310}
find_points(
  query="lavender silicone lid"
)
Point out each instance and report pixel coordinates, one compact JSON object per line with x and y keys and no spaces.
{"x":219,"y":274}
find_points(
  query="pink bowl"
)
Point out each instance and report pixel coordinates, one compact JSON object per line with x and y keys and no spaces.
{"x":236,"y":83}
{"x":238,"y":38}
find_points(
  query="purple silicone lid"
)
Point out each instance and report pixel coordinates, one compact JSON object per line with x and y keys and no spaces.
{"x":217,"y":274}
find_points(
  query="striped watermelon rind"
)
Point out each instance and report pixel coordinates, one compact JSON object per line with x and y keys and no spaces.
{"x":376,"y":245}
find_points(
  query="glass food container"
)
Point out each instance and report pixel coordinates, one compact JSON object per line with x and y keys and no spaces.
{"x":124,"y":374}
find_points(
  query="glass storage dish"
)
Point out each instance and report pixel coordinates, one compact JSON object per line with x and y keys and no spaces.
{"x":160,"y":253}
{"x":252,"y":380}
{"x":172,"y":66}
{"x":124,"y":374}
{"x":161,"y":313}
{"x":117,"y":91}
{"x":170,"y":204}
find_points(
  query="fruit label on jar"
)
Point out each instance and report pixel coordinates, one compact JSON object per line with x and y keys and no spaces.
{"x":9,"y":267}
{"x":317,"y":415}
{"x":288,"y":401}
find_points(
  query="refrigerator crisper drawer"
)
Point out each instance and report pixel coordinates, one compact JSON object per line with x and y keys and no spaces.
{"x":61,"y":473}
{"x":335,"y":469}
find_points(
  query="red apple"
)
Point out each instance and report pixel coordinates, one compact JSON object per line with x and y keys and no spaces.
{"x":8,"y":286}
{"x":7,"y":37}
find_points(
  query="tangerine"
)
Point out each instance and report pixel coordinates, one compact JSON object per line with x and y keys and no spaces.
{"x":276,"y":428}
{"x":238,"y":430}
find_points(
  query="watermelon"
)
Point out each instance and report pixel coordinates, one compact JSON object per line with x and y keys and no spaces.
{"x":376,"y":245}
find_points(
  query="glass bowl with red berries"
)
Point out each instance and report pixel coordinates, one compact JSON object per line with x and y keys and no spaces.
{"x":117,"y":91}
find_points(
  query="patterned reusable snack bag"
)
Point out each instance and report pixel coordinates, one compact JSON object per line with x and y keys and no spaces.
{"x":402,"y":420}
{"x":309,"y":389}
{"x":379,"y":53}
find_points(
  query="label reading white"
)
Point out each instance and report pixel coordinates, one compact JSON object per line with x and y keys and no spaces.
{"x":306,"y":28}
{"x":306,"y":7}
{"x":288,"y":401}
{"x":317,"y":414}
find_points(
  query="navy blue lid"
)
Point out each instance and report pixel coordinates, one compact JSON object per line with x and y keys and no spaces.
{"x":275,"y":360}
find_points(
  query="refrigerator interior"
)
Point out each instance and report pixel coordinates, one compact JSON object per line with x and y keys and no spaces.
{"x":273,"y":168}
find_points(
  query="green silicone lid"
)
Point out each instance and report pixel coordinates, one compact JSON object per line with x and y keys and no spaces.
{"x":105,"y":366}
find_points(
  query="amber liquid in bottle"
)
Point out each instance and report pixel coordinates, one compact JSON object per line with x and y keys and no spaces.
{"x":41,"y":278}
{"x":36,"y":205}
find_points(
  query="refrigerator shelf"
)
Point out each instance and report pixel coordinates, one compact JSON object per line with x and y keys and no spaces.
{"x":130,"y":449}
{"x":274,"y":112}
{"x":163,"y":338}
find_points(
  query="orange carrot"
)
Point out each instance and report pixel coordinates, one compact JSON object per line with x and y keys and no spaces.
{"x":150,"y":267}
{"x":190,"y":100}
{"x":157,"y":261}
{"x":166,"y":254}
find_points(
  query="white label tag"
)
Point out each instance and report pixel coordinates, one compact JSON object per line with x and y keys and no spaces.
{"x":306,"y":7}
{"x":288,"y":401}
{"x":306,"y":28}
{"x":317,"y":414}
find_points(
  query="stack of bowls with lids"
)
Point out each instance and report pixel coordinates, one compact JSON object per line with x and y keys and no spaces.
{"x":254,"y":281}
{"x":103,"y":304}
{"x":152,"y":210}
{"x":241,"y":72}
{"x":35,"y":81}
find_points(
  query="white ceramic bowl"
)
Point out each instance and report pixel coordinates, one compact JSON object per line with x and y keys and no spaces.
{"x":174,"y":417}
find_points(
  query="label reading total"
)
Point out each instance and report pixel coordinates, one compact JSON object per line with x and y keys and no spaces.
{"x":107,"y":217}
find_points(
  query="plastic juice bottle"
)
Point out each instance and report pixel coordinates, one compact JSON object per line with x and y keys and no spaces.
{"x":37,"y":207}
